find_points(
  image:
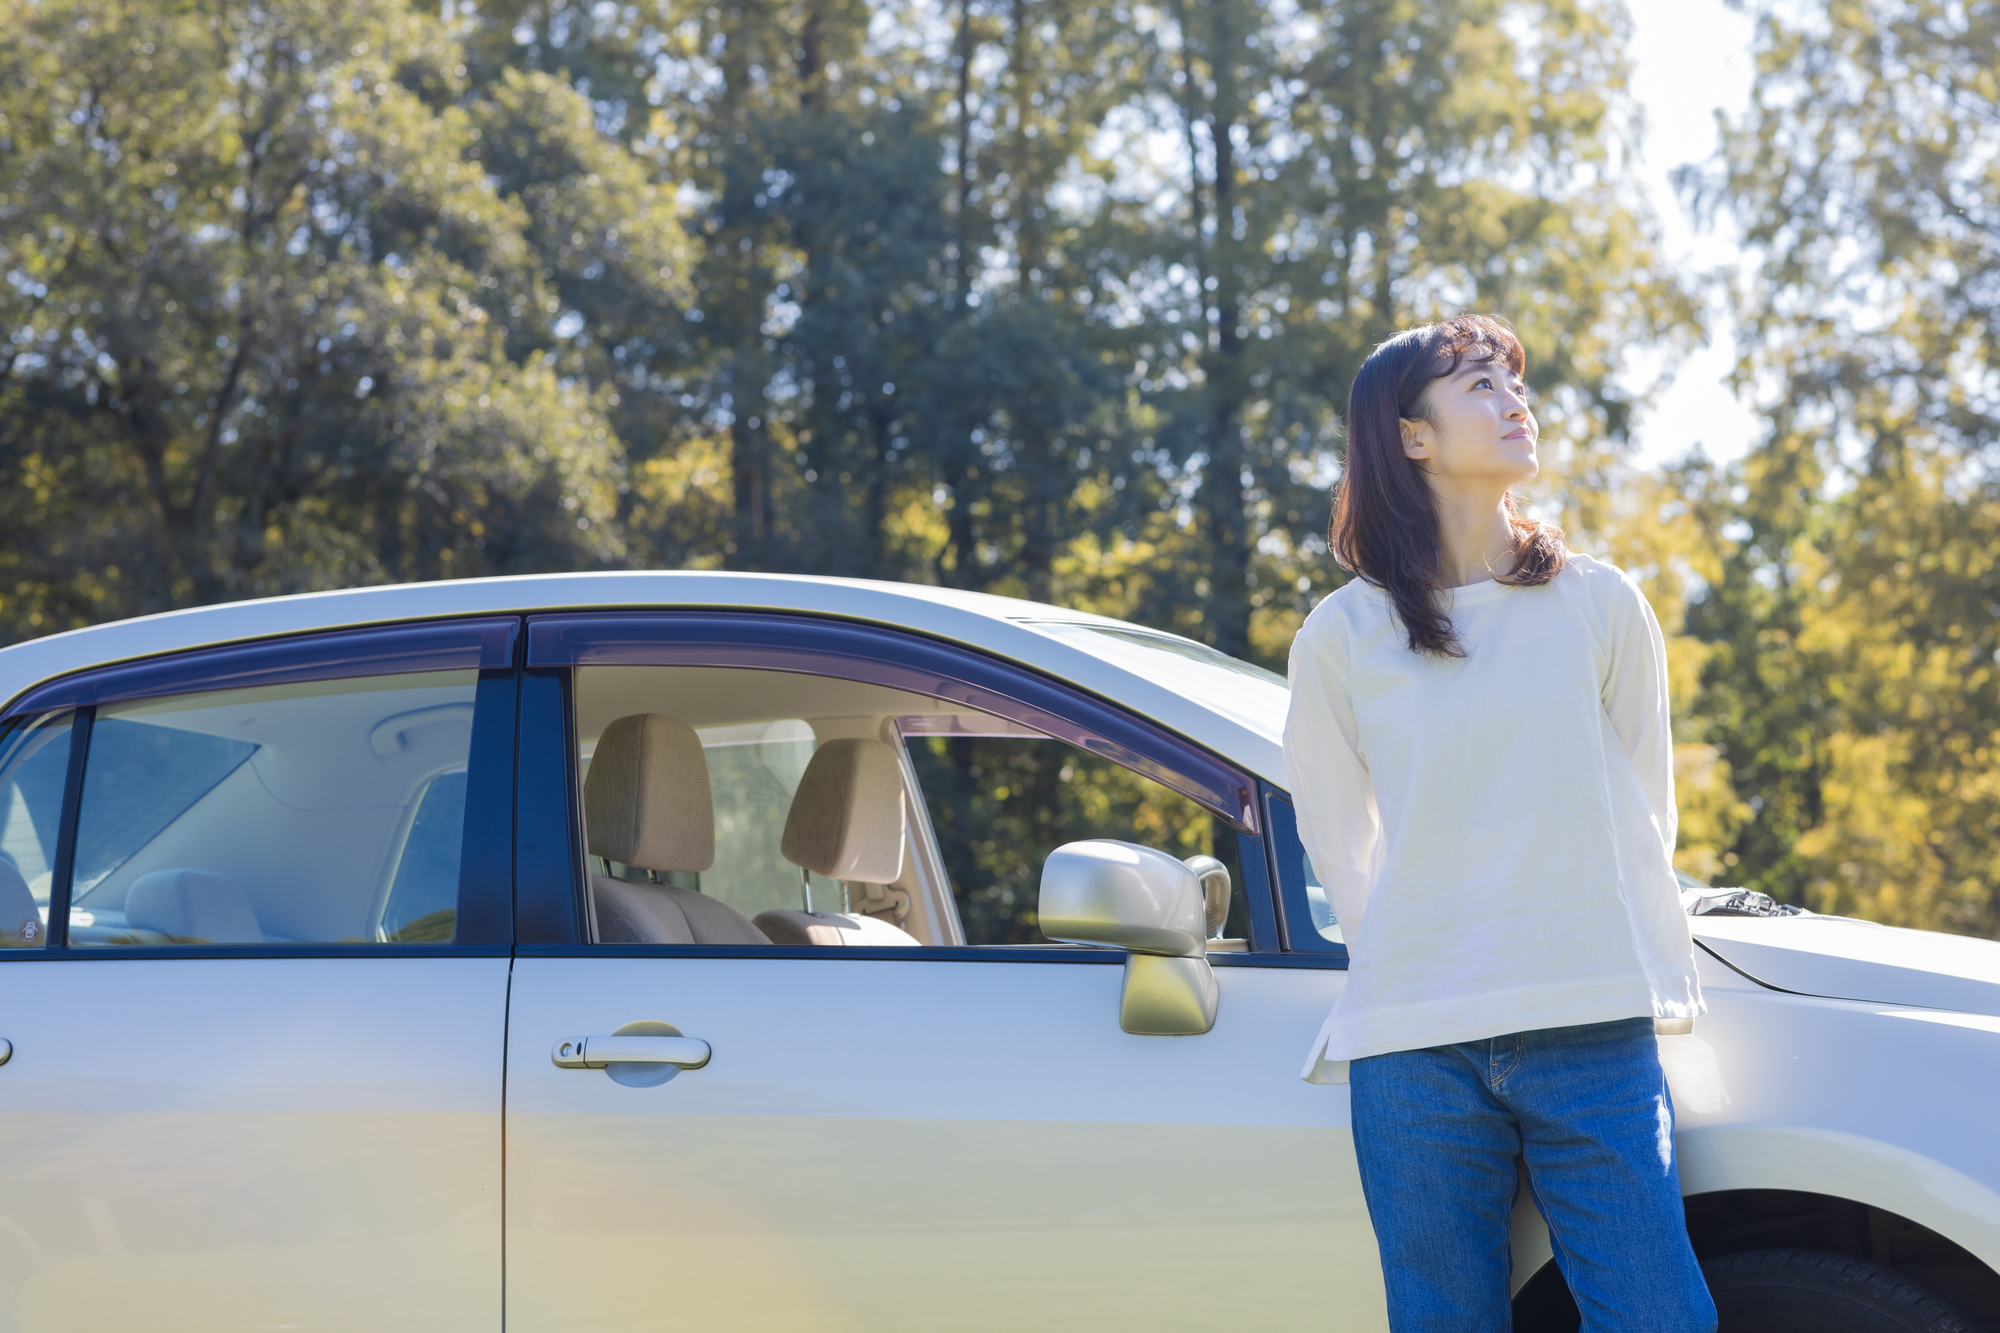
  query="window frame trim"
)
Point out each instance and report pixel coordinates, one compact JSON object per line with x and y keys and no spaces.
{"x":156,"y":952}
{"x":923,"y":953}
{"x":1287,"y":902}
{"x":62,"y":874}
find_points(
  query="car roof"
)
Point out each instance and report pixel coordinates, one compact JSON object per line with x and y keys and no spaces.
{"x":1032,"y":633}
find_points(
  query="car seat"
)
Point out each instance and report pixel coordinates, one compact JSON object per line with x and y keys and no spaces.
{"x":192,"y":907}
{"x":647,"y":804}
{"x":847,"y":822}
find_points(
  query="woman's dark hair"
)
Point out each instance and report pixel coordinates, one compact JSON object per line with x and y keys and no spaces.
{"x":1384,"y":521}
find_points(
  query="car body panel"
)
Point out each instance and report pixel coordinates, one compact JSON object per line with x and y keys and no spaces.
{"x":1849,"y":959}
{"x":1880,"y":1104}
{"x":875,"y":1141}
{"x":205,"y":1143}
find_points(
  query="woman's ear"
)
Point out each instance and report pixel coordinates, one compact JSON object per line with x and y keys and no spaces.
{"x":1416,"y":438}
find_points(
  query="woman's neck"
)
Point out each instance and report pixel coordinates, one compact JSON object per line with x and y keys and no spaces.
{"x":1475,"y":538}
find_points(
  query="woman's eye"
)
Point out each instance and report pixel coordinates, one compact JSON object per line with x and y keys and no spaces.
{"x":1482,"y":382}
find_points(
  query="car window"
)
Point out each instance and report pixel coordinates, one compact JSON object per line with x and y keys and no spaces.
{"x":34,"y":765}
{"x":753,"y":772}
{"x":743,"y":806}
{"x":1000,"y":803}
{"x":317,"y":812}
{"x":423,"y":895}
{"x":142,"y":777}
{"x":736,"y":806}
{"x":1310,"y":924}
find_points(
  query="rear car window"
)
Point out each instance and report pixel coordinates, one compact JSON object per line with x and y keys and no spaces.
{"x":316,"y":812}
{"x":34,"y":766}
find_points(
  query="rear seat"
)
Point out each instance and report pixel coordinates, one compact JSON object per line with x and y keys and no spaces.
{"x":192,"y":907}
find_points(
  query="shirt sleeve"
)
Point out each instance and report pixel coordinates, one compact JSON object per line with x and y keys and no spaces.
{"x":1331,"y":790}
{"x":1635,"y":699}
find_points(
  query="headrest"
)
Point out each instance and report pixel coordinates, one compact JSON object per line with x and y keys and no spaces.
{"x":646,"y":801}
{"x":192,"y":906}
{"x":20,"y":921}
{"x":846,"y":821}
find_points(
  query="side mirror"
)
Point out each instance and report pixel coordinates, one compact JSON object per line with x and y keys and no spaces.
{"x":1131,"y":897}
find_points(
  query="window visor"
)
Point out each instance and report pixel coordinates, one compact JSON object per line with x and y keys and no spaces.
{"x":903,"y":661}
{"x":454,"y":645}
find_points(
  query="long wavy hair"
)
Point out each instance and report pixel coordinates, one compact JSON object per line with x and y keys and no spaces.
{"x":1385,"y":525}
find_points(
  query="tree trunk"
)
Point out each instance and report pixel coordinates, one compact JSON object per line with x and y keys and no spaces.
{"x":1224,"y":498}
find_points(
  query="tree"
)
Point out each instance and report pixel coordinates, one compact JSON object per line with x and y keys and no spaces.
{"x":275,"y":326}
{"x":1857,"y":618}
{"x":1350,"y":170}
{"x":1117,"y":365}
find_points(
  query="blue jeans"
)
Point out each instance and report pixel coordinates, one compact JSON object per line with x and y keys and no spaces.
{"x":1438,"y":1132}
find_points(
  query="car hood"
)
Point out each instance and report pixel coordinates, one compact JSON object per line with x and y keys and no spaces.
{"x":1847,"y":959}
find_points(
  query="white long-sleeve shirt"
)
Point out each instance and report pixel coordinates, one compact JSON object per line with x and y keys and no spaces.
{"x":1494,"y":833}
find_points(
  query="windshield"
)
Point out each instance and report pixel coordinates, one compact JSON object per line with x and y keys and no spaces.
{"x":1249,"y":694}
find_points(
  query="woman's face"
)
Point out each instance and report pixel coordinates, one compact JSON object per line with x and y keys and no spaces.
{"x":1478,"y":433}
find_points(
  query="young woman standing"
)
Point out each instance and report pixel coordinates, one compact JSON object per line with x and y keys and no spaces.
{"x":1478,"y":747}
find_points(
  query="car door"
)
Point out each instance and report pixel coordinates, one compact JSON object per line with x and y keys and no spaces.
{"x":946,"y":1129}
{"x":255,"y":1046}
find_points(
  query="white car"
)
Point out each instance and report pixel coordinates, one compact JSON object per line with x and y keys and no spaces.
{"x":679,"y":952}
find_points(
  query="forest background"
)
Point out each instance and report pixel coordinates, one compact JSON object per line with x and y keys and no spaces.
{"x":1053,"y":298}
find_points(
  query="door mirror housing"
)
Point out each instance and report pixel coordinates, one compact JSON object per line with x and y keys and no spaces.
{"x":1125,"y":896}
{"x":1216,"y":891}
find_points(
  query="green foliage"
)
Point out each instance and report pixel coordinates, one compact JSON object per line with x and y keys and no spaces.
{"x":276,"y":324}
{"x":1035,"y":297}
{"x":1030,"y":296}
{"x":1853,"y":617}
{"x":1001,"y":804}
{"x":1357,"y":169}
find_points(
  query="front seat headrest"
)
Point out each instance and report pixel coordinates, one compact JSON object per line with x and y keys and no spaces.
{"x":646,"y":801}
{"x":20,"y":919}
{"x":193,"y":906}
{"x":847,"y":820}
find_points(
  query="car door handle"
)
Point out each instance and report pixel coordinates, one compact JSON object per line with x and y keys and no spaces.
{"x":597,"y":1052}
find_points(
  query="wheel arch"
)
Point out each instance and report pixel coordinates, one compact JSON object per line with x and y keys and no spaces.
{"x":1754,"y":1188}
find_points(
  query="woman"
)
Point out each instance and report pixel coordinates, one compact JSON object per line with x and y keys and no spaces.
{"x":1478,"y":746}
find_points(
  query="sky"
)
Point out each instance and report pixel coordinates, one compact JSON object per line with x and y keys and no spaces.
{"x":1691,"y":57}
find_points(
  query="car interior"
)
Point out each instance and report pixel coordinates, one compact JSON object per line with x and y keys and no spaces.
{"x":34,"y":762}
{"x":727,"y":805}
{"x":323,"y":812}
{"x":738,"y":806}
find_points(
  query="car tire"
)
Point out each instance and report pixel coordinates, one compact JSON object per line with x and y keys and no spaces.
{"x":1812,"y":1291}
